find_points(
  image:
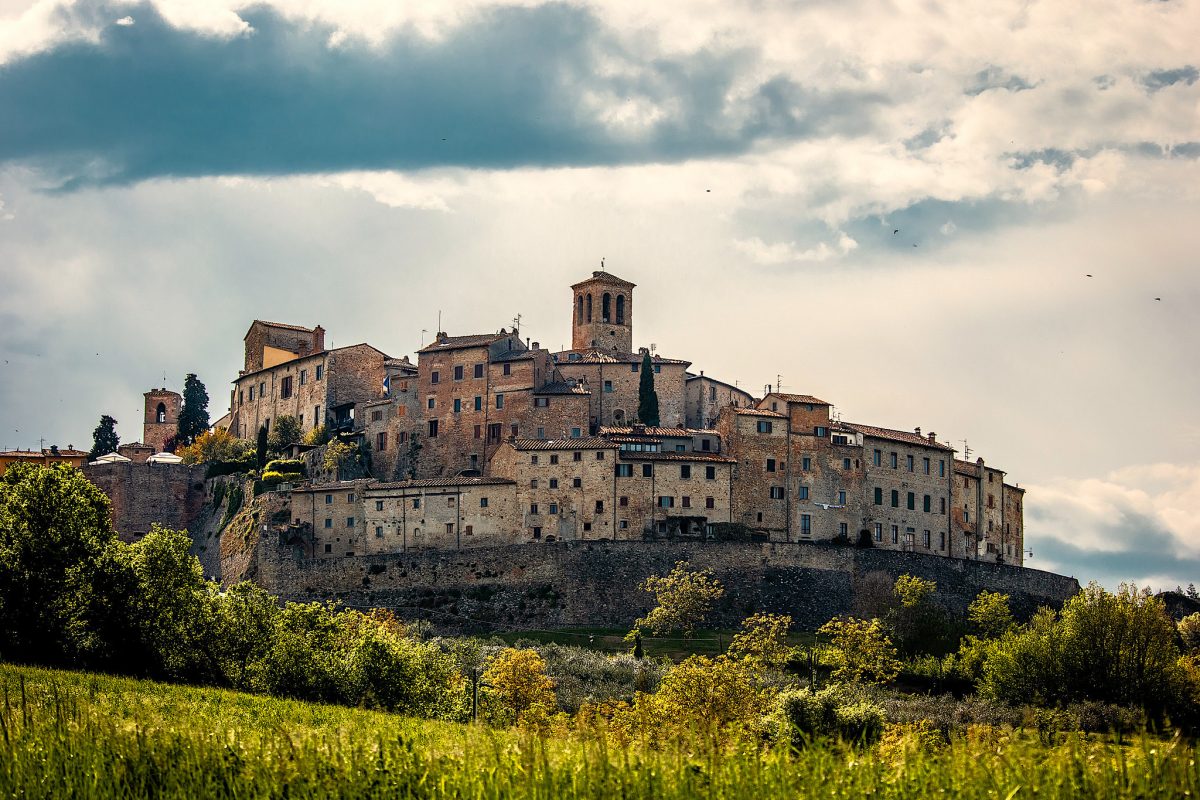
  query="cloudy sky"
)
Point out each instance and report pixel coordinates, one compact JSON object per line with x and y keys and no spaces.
{"x":982,"y":218}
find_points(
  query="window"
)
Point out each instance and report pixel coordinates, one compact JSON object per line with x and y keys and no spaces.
{"x":554,"y":458}
{"x":494,"y":435}
{"x":533,"y":483}
{"x":349,"y":522}
{"x":541,"y":402}
{"x":470,"y":529}
{"x":908,"y":462}
{"x":554,"y":508}
{"x":320,"y":371}
{"x":262,"y":389}
{"x":770,"y":465}
{"x":499,"y":401}
{"x":608,"y":387}
{"x":878,"y":496}
{"x":927,"y":504}
{"x":599,"y":506}
{"x":433,"y":428}
{"x":457,"y":405}
{"x":647,"y":470}
{"x":895,"y":499}
{"x":328,"y":522}
{"x":479,"y":370}
{"x":533,"y":459}
{"x":285,"y":388}
{"x":942,"y":540}
{"x":820,"y":431}
{"x":507,"y":369}
{"x":431,"y":402}
{"x":803,"y":493}
{"x":634,"y":366}
{"x":925,"y":462}
{"x":553,"y":483}
{"x":434,"y":376}
{"x":710,"y":473}
{"x":806,"y":524}
{"x":251,"y":394}
{"x":624,"y":470}
{"x":328,"y":548}
{"x":657,"y":368}
{"x":879,"y":531}
{"x":877,"y":458}
{"x":379,"y":531}
{"x":705,"y":444}
{"x":841,"y":498}
{"x":912,"y":501}
{"x":350,"y":497}
{"x":379,"y":505}
{"x":537,"y":532}
{"x":941,"y":468}
{"x":776,"y":492}
{"x":806,"y":463}
{"x":316,"y":415}
{"x":416,"y":502}
{"x":623,"y":501}
{"x":541,"y":433}
{"x":845,"y":463}
{"x":764,"y":426}
{"x":895,"y":460}
{"x":328,"y":499}
{"x":666,"y":502}
{"x":599,"y":455}
{"x":895,"y":534}
{"x":576,"y":483}
{"x":376,"y":416}
{"x":941,"y":505}
{"x":576,"y":433}
{"x":458,"y":373}
{"x":577,"y":456}
{"x":478,"y":431}
{"x":710,"y":502}
{"x":843,"y":529}
{"x":533,"y":508}
{"x":623,"y":524}
{"x":926,"y":539}
{"x":685,"y":501}
{"x":303,"y":377}
{"x":512,"y":430}
{"x":478,"y":403}
{"x":483,"y":502}
{"x":991,"y":501}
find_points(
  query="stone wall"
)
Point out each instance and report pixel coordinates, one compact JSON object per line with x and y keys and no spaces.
{"x":172,"y":495}
{"x":595,"y":583}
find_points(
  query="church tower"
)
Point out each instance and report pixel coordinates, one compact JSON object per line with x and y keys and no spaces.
{"x":162,"y":417}
{"x":602,"y":314}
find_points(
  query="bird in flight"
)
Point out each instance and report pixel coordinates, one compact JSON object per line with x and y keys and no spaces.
{"x":1158,"y":298}
{"x":1089,"y":275}
{"x":895,"y":231}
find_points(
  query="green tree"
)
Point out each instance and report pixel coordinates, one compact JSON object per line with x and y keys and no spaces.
{"x":193,"y":418}
{"x":989,"y":614}
{"x":338,"y":456}
{"x":104,"y":438}
{"x":54,"y":531}
{"x":287,"y":431}
{"x":762,"y":641}
{"x":244,"y":621}
{"x":317,"y":436}
{"x":915,"y":621}
{"x":647,"y":397}
{"x":261,"y":447}
{"x":1189,"y":632}
{"x":685,"y":597}
{"x":218,"y":445}
{"x":413,"y":456}
{"x":710,"y":695}
{"x":517,"y":678}
{"x":864,"y":651}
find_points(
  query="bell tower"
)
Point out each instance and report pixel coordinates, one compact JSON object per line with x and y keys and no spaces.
{"x":602,"y":314}
{"x":162,"y":417}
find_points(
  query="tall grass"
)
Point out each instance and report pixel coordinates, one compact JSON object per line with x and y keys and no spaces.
{"x":89,"y":736}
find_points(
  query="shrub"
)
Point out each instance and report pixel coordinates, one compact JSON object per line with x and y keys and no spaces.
{"x":285,"y":465}
{"x":900,"y":741}
{"x":864,"y":651}
{"x":684,"y":599}
{"x":517,"y":680}
{"x":217,"y":446}
{"x":799,"y":715}
{"x":275,"y":478}
{"x":217,"y":469}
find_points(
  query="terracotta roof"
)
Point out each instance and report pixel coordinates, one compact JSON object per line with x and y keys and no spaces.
{"x":617,"y":430}
{"x":598,"y":356}
{"x":759,"y":412}
{"x":460,"y":342}
{"x":798,"y":398}
{"x":692,"y":456}
{"x":581,"y":443}
{"x":429,"y":483}
{"x":561,"y":387}
{"x":608,"y":277}
{"x":64,"y":453}
{"x":907,"y":437}
{"x":401,"y":363}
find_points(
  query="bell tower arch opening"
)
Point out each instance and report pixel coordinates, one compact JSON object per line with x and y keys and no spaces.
{"x":610,"y":327}
{"x":161,"y":419}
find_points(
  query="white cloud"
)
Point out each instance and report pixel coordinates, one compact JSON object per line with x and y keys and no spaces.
{"x":125,"y":21}
{"x":787,"y":252}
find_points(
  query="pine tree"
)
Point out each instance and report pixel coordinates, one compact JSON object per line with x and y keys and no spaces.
{"x":647,"y":397}
{"x":193,"y":419}
{"x":104,"y":438}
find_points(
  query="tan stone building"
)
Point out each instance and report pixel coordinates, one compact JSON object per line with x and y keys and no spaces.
{"x":988,"y":514}
{"x":161,"y":419}
{"x":704,"y":397}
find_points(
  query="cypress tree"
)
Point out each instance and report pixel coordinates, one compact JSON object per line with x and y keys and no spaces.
{"x":647,"y":397}
{"x":261,"y":448}
{"x":104,"y":438}
{"x":193,"y":419}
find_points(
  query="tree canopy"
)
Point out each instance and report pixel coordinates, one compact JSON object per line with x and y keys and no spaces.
{"x":104,"y":438}
{"x":685,"y":597}
{"x":647,"y":397}
{"x":193,"y":419}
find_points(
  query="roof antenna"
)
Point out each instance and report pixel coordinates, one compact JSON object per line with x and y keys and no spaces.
{"x":517,"y":323}
{"x":778,"y":383}
{"x":966,"y":451}
{"x":601,"y":262}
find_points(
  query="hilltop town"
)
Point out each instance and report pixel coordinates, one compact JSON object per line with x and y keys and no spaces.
{"x":490,"y":439}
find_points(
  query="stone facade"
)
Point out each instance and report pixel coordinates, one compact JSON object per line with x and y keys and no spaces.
{"x":172,"y":495}
{"x":614,"y":380}
{"x":271,"y":343}
{"x":704,"y":398}
{"x":161,"y":419}
{"x":602,"y":314}
{"x":985,"y":512}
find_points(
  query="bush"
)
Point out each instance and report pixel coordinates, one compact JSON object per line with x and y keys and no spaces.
{"x":217,"y":469}
{"x":285,"y":465}
{"x":841,"y":710}
{"x":276,"y":478}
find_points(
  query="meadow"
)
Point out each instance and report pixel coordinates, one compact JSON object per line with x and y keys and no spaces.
{"x":80,"y":735}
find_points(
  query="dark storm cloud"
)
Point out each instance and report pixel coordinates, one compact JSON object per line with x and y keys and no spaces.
{"x":1149,"y":550}
{"x":996,"y":78}
{"x":1162,"y":78}
{"x":513,"y":87}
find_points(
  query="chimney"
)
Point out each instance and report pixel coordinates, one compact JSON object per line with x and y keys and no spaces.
{"x":979,"y":461}
{"x":318,"y":339}
{"x":53,"y":449}
{"x":537,"y":345}
{"x":932,"y":437}
{"x":441,"y":336}
{"x":917,"y":430}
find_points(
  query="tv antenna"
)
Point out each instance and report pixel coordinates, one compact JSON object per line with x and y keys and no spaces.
{"x":601,"y":262}
{"x":778,"y":383}
{"x":966,"y":451}
{"x":517,"y":323}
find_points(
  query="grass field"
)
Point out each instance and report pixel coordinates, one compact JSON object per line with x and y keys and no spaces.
{"x":87,"y":736}
{"x":612,"y":640}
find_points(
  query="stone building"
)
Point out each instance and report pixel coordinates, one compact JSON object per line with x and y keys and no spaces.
{"x":160,"y":422}
{"x":988,"y":516}
{"x":44,"y":457}
{"x":288,"y":372}
{"x":704,"y":397}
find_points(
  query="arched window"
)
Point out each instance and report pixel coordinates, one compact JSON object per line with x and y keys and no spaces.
{"x":162,"y":412}
{"x":589,"y":308}
{"x":579,"y":310}
{"x":606,"y":307}
{"x":620,"y":309}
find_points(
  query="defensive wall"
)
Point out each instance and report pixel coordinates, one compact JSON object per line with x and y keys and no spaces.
{"x":589,"y":584}
{"x":172,"y":495}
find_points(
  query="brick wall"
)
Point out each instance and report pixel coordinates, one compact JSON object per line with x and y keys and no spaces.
{"x":172,"y":495}
{"x":704,"y":398}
